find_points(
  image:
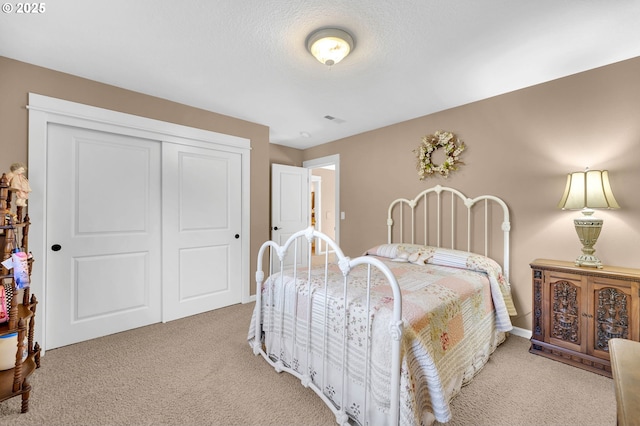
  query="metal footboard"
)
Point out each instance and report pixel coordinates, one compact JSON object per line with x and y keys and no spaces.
{"x":288,"y":333}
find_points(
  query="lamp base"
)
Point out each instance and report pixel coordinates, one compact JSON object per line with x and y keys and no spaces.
{"x":588,"y":260}
{"x":588,"y":229}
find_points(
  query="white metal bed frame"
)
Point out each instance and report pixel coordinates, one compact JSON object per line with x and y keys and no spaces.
{"x":346,"y":264}
{"x":469,"y":203}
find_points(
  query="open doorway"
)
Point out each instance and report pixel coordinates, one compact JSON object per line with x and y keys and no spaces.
{"x":323,"y":210}
{"x":325,"y":197}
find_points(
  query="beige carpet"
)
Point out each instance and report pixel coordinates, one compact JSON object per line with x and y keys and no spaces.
{"x":200,"y":371}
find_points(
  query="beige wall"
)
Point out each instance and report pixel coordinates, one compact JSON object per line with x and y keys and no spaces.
{"x":17,"y":79}
{"x":284,"y":155}
{"x":520,"y":147}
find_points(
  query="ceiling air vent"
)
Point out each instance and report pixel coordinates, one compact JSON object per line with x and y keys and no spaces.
{"x":334,"y":119}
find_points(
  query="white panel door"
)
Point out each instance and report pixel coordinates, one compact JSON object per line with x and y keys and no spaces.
{"x":290,"y":204}
{"x":103,"y":233}
{"x":202,"y":204}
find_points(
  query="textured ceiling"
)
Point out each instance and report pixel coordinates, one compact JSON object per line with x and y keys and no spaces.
{"x":247,"y":58}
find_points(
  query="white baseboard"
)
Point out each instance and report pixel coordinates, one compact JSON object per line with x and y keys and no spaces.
{"x":521,"y":332}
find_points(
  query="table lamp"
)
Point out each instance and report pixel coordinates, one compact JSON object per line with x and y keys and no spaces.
{"x":588,"y":190}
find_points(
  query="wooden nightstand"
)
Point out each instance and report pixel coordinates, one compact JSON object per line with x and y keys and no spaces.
{"x":576,"y":310}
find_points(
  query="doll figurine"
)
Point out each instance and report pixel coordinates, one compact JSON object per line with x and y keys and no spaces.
{"x":18,"y":183}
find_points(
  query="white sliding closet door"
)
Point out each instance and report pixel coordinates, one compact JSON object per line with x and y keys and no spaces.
{"x":103,"y":232}
{"x":135,"y":220}
{"x":201,"y":229}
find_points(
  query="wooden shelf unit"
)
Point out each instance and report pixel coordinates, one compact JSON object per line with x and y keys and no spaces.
{"x":14,"y":230}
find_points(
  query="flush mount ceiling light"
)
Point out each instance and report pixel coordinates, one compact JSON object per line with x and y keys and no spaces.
{"x":329,"y":45}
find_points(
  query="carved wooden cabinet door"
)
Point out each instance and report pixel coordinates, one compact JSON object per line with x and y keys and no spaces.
{"x":577,"y":310}
{"x":613,"y":305}
{"x":565,"y":299}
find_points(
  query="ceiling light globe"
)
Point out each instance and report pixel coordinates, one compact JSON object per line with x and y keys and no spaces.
{"x":330,"y":45}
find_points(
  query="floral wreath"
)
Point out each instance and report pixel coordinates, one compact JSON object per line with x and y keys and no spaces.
{"x":453,"y":147}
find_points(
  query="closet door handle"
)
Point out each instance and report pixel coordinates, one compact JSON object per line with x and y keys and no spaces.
{"x":237,"y":236}
{"x":56,"y":247}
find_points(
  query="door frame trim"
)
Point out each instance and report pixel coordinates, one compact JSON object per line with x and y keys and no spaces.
{"x":44,"y":110}
{"x":316,"y":202}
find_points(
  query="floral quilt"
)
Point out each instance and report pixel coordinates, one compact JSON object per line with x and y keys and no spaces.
{"x":456,"y":308}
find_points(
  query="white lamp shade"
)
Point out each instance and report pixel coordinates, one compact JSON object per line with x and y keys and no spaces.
{"x":330,"y":45}
{"x":589,"y":189}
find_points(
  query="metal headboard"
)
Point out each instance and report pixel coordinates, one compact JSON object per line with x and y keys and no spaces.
{"x":455,"y":224}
